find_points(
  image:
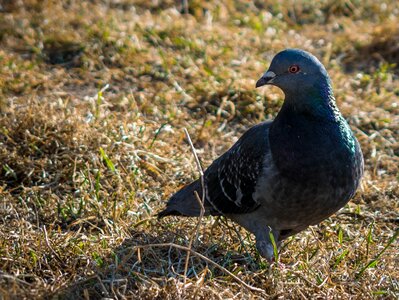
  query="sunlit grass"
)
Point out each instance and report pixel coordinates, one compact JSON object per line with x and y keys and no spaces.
{"x":93,"y":100}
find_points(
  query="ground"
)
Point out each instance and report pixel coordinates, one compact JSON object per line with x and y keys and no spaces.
{"x":94,"y":97}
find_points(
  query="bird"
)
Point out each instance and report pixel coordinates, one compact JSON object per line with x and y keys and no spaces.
{"x":286,"y":174}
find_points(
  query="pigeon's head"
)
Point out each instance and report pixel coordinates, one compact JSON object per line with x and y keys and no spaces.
{"x":293,"y":71}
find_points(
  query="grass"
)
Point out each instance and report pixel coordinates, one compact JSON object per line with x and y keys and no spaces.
{"x":94,"y":97}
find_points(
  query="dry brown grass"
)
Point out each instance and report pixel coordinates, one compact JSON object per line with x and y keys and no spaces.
{"x":84,"y":172}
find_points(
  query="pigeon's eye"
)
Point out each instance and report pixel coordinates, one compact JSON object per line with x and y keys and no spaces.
{"x":293,"y":69}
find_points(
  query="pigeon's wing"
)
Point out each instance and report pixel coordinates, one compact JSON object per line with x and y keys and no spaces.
{"x":230,"y":181}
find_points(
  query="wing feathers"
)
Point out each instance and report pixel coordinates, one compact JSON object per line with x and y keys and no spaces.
{"x":232,"y":178}
{"x":230,"y":181}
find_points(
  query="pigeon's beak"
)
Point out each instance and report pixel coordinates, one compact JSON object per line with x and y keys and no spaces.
{"x":266,"y":78}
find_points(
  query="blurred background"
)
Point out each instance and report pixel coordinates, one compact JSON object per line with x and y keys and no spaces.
{"x":94,"y":96}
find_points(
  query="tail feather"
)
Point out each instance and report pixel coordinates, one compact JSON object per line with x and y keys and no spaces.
{"x":184,"y":203}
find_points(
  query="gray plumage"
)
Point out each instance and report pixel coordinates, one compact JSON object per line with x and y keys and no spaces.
{"x":286,"y":174}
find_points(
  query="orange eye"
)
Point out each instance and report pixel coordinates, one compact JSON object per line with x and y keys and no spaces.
{"x":293,"y":69}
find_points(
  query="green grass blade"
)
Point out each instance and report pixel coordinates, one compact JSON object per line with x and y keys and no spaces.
{"x":107,"y":160}
{"x":373,"y":262}
{"x":275,"y":249}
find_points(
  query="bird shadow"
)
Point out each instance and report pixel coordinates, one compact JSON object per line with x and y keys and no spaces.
{"x":147,"y":259}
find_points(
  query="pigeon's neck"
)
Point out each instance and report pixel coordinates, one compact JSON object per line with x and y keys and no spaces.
{"x":316,"y":101}
{"x":307,"y":131}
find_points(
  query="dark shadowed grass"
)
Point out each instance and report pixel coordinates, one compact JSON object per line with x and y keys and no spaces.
{"x":94,"y":96}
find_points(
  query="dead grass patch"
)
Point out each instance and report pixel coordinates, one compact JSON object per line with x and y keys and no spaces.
{"x":92,"y":143}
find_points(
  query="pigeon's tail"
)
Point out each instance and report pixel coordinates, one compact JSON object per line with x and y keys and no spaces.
{"x":185,"y":203}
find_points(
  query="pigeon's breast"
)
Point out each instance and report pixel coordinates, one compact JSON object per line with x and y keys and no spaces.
{"x":316,"y":185}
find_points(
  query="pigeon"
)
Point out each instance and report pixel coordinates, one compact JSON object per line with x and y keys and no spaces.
{"x":287,"y":174}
